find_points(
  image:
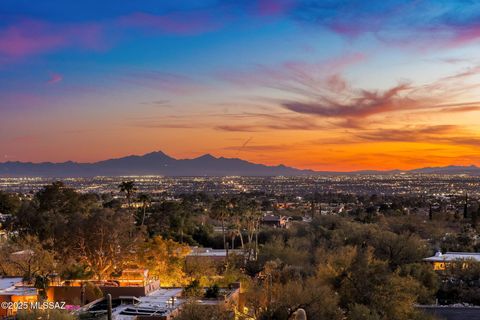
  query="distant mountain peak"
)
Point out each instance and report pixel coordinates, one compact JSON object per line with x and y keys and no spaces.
{"x":156,"y":154}
{"x":159,"y":163}
{"x":206,"y":156}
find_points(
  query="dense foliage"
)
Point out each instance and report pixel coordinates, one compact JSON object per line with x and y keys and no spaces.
{"x":362,"y":263}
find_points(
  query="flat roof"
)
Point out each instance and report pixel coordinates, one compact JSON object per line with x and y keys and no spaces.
{"x":157,"y":302}
{"x":209,"y":252}
{"x":12,"y":287}
{"x":6,"y":283}
{"x":453,"y":256}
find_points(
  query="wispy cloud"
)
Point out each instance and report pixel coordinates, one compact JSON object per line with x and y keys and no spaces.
{"x":321,"y":90}
{"x":236,"y":122}
{"x":280,"y":123}
{"x":200,"y":19}
{"x":294,"y":75}
{"x":55,"y":78}
{"x":263,"y":148}
{"x":365,"y":104}
{"x":164,"y":81}
{"x":275,"y":7}
{"x":432,"y":134}
{"x":179,"y":23}
{"x":27,"y":37}
{"x":158,"y":103}
{"x":425,"y":24}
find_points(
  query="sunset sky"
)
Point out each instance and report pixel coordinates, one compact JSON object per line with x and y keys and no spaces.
{"x":326,"y":85}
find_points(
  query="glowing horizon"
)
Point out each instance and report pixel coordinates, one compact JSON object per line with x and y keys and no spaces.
{"x":323,"y":85}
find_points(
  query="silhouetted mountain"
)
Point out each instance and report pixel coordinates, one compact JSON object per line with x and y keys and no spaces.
{"x":158,"y":163}
{"x":469,"y":170}
{"x":155,"y":163}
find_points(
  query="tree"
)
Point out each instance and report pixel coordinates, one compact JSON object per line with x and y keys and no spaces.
{"x":51,"y":212}
{"x":9,"y":203}
{"x":41,"y":284}
{"x":44,"y":314}
{"x":26,"y":257}
{"x":193,"y":289}
{"x":460,"y":283}
{"x":220,"y":211}
{"x":194,"y":311}
{"x":172,"y":219}
{"x":145,"y":199}
{"x":212,"y":292}
{"x":165,"y":259}
{"x":129,"y":188}
{"x":252,"y":219}
{"x":271,"y":298}
{"x":246,"y":216}
{"x":475,"y":214}
{"x":364,"y":282}
{"x":106,"y":241}
{"x":399,"y":249}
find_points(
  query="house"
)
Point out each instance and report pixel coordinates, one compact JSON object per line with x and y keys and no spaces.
{"x":161,"y":304}
{"x":441,"y":261}
{"x":12,"y":290}
{"x":132,"y":282}
{"x":275,"y":221}
{"x":208,"y":256}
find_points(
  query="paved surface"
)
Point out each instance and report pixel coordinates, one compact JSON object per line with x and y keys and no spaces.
{"x":455,"y":313}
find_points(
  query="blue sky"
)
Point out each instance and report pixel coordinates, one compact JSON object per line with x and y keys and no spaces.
{"x":314,"y":84}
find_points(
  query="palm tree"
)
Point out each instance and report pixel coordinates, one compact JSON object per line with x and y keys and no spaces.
{"x":128,"y":187}
{"x":145,"y":200}
{"x":465,"y":207}
{"x":248,"y":216}
{"x":253,"y":216}
{"x":220,"y":211}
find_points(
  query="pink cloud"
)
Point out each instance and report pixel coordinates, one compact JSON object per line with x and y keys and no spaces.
{"x":464,"y":35}
{"x":181,"y":23}
{"x":337,"y":99}
{"x":295,"y":75}
{"x":54,"y":78}
{"x":30,"y":37}
{"x":434,"y":38}
{"x":365,"y":104}
{"x":274,"y":7}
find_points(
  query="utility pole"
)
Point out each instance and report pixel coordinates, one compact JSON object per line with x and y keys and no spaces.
{"x":465,"y":208}
{"x":82,"y":294}
{"x":109,"y":306}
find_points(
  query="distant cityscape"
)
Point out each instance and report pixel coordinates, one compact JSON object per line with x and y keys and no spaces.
{"x":148,"y":245}
{"x":431,"y":185}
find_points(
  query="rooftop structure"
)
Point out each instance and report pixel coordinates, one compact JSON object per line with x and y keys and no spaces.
{"x":440,"y":260}
{"x":12,"y":289}
{"x":275,"y":221}
{"x":454,"y":256}
{"x":163,"y":303}
{"x":15,"y":287}
{"x":160,"y":303}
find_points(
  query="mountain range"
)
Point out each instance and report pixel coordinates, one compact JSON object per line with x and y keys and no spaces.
{"x":158,"y":163}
